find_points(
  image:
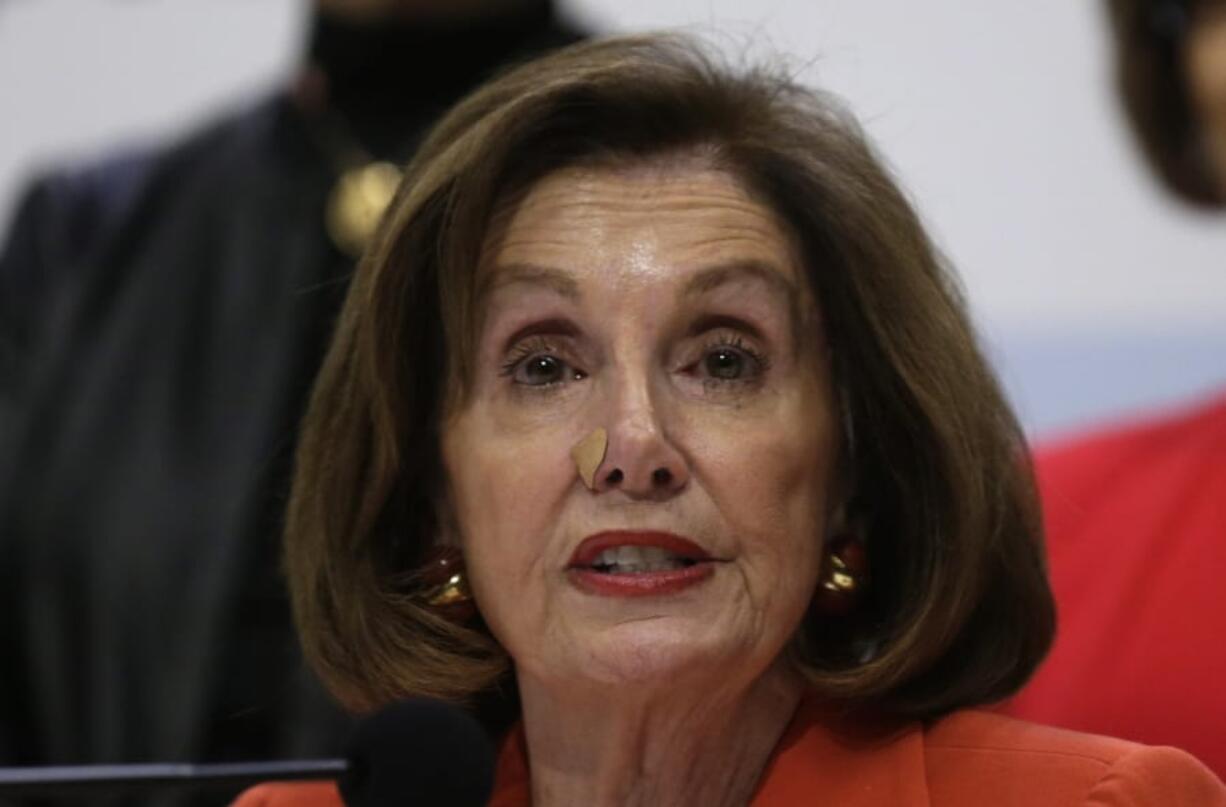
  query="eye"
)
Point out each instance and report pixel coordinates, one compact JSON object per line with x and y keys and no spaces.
{"x":542,"y":370}
{"x":729,"y":359}
{"x":535,"y":363}
{"x":724,"y":363}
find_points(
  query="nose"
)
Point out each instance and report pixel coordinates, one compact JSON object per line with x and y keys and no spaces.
{"x":641,"y":460}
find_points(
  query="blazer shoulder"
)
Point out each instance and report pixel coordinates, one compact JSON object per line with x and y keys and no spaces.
{"x":980,"y":757}
{"x":1158,"y":775}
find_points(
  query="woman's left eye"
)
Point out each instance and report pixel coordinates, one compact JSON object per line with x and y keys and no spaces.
{"x":731,"y":361}
{"x":725,"y":363}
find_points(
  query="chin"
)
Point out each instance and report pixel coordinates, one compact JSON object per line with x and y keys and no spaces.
{"x":658,"y":649}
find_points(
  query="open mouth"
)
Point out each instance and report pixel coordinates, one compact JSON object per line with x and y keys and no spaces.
{"x":639,"y":559}
{"x":636,"y":564}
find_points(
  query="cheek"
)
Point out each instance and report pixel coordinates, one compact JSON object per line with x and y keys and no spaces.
{"x":772,"y":479}
{"x":783,"y":490}
{"x":506,"y":492}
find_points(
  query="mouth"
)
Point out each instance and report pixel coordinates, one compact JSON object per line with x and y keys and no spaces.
{"x":635,"y":564}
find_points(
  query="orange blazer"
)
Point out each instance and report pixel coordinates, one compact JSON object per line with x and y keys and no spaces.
{"x":968,"y":759}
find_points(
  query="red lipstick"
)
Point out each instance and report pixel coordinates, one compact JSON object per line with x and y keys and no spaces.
{"x":698,"y":565}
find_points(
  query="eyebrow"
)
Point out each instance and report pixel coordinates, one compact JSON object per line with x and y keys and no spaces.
{"x":703,"y":281}
{"x":713,"y":277}
{"x":530,"y":274}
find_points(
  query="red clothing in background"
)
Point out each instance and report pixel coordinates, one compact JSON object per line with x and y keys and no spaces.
{"x":1136,"y":532}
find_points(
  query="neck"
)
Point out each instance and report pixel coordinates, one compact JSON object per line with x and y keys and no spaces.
{"x":626,"y":746}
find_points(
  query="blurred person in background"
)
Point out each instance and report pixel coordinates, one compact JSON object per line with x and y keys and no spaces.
{"x":162,"y":317}
{"x":1136,"y":515}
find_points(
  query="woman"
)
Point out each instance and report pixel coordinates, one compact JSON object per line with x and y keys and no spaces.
{"x":657,"y":367}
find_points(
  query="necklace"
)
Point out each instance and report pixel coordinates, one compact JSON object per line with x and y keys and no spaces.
{"x":357,"y":203}
{"x":364,"y":186}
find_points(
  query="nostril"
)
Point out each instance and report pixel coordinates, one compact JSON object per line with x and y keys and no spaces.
{"x":614,"y":477}
{"x":661,"y":476}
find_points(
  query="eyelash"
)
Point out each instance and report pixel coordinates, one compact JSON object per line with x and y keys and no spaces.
{"x":527,"y":349}
{"x":521,"y":352}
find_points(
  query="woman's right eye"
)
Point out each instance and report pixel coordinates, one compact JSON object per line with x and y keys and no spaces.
{"x":538,"y":369}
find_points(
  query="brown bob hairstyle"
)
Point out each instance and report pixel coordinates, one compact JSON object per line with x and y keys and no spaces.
{"x":959,"y":611}
{"x":1151,"y":75}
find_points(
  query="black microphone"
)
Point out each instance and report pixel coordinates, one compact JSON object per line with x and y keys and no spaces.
{"x":417,"y":751}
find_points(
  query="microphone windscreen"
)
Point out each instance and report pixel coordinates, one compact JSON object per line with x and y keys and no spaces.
{"x":419,"y":751}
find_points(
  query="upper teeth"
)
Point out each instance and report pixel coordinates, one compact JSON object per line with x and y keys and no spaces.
{"x":637,"y":559}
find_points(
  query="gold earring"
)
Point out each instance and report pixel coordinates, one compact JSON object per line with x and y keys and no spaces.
{"x":839,"y":578}
{"x":444,"y":585}
{"x":452,"y":591}
{"x":844,"y":576}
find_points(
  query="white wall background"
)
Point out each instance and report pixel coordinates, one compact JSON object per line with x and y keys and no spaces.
{"x":1097,"y":295}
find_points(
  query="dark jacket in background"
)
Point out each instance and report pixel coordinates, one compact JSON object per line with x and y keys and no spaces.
{"x":162,"y":316}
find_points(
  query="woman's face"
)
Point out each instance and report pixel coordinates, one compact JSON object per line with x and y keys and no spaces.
{"x":668,"y":307}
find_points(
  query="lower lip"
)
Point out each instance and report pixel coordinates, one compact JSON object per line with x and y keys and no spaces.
{"x":641,"y":584}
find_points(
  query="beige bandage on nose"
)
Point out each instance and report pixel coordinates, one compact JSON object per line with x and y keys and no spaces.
{"x":588,"y":453}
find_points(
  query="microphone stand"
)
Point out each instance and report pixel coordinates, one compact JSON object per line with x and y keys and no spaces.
{"x":55,"y":780}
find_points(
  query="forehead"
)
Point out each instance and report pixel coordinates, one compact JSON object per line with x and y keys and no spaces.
{"x":651,"y":221}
